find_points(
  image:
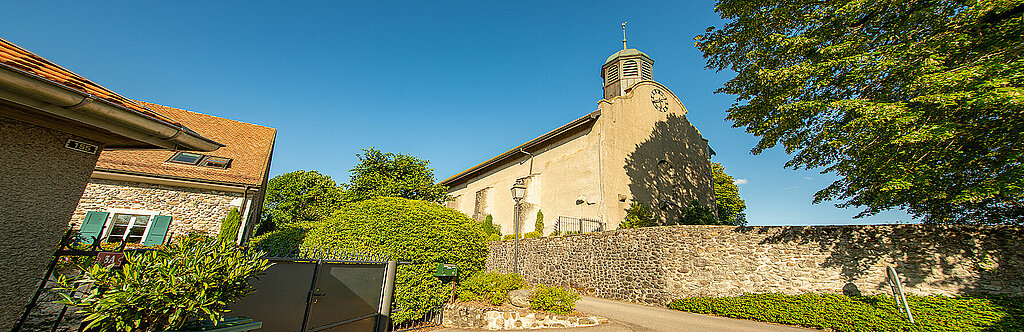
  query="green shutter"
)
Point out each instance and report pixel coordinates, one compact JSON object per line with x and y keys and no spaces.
{"x":92,"y":226}
{"x":157,"y":231}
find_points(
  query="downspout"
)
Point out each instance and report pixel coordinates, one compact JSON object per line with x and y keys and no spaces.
{"x":246,"y":203}
{"x":531,"y":161}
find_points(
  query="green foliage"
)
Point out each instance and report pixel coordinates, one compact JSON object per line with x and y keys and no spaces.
{"x":229,"y":226}
{"x":727,"y":197}
{"x":554,"y":299}
{"x":195,"y":277}
{"x":637,"y":215}
{"x":866,"y":313}
{"x":380,"y":174}
{"x":301,"y":196}
{"x":489,"y":286}
{"x":421,"y":232}
{"x":491,"y":231}
{"x":538,"y":226}
{"x":917,"y":105}
{"x":698,"y":214}
{"x":508,"y":237}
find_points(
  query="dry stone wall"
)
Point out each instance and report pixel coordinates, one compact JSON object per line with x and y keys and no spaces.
{"x":191,"y":209}
{"x":658,"y":264}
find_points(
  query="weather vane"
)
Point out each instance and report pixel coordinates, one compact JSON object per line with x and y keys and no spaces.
{"x":624,"y":35}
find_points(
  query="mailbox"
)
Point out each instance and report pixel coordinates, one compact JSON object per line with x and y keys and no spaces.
{"x":446,"y":270}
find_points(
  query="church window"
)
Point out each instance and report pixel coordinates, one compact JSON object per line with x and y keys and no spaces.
{"x":629,"y":68}
{"x":645,"y":70}
{"x":612,"y":74}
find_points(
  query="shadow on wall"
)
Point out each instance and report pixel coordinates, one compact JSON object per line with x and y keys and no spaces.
{"x":916,"y":253}
{"x":669,"y":170}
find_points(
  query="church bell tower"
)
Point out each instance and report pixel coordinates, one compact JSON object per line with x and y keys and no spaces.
{"x":625,"y":68}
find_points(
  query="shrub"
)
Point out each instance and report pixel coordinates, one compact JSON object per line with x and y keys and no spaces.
{"x":420,"y":232}
{"x":538,"y":227}
{"x":554,"y":299}
{"x":490,"y":286}
{"x":867,"y":313}
{"x":491,"y":231}
{"x":698,"y":214}
{"x":229,"y":226}
{"x":638,"y":216}
{"x":196,"y":277}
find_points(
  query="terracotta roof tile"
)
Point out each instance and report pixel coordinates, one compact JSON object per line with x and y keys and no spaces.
{"x":20,"y":59}
{"x":248,"y":145}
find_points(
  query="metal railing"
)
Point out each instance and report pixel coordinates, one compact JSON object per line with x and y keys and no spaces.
{"x":572,"y":225}
{"x":432,"y":318}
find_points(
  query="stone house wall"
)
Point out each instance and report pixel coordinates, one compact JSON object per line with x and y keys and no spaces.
{"x":191,"y":209}
{"x":658,"y":264}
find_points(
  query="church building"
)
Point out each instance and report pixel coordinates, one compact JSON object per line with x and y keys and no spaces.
{"x":636,"y":147}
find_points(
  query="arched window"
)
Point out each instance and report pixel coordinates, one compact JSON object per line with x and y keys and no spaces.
{"x":629,"y":68}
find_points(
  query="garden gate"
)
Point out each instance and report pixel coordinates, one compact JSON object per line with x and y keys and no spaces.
{"x":321,"y":290}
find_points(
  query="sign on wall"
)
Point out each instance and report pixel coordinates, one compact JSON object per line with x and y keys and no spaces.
{"x":82,"y":146}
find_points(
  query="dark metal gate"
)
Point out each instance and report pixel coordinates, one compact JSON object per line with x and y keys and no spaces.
{"x":321,"y":291}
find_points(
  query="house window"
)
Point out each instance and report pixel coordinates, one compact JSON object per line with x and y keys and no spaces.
{"x":126,"y":227}
{"x":186,"y":158}
{"x":215,"y":162}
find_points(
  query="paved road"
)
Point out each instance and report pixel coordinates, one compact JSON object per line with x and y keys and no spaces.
{"x":633,"y":317}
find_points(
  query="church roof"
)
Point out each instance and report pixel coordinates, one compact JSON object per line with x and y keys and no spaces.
{"x":626,"y":52}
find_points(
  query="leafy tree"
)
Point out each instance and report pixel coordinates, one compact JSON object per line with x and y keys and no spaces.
{"x":380,"y":174}
{"x":637,"y":215}
{"x":302,"y":196}
{"x":727,"y":197}
{"x":698,"y":214}
{"x":229,"y":226}
{"x":914,"y":104}
{"x":538,"y":226}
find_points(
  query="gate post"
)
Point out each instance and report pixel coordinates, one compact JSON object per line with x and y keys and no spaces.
{"x":384,"y":317}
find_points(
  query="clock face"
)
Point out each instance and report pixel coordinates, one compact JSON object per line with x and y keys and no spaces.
{"x":659,"y":101}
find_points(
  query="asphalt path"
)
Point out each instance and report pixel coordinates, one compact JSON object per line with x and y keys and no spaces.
{"x":625,"y":316}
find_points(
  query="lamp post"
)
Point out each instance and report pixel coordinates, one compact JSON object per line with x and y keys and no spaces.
{"x":518,"y":191}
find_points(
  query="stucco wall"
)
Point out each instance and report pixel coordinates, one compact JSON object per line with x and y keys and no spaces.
{"x":658,"y":264}
{"x":563,"y":171}
{"x":191,"y":209}
{"x":655,"y":157}
{"x":41,"y":182}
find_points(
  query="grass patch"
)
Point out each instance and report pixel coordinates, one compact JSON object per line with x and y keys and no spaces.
{"x":866,"y":313}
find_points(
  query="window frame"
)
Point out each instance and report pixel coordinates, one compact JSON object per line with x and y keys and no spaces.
{"x":203,"y":162}
{"x":179,"y":153}
{"x":108,"y":226}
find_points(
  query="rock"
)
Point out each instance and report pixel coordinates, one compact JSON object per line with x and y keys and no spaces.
{"x":520,"y":297}
{"x":587,"y":321}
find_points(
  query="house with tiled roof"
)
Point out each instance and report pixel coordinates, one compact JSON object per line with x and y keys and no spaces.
{"x":54,"y":125}
{"x":130,"y":187}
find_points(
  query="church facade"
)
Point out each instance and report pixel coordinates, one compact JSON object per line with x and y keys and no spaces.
{"x":637,"y":146}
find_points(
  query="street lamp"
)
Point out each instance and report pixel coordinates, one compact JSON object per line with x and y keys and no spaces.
{"x":518,"y":191}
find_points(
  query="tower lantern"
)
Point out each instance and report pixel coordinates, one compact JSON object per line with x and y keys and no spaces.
{"x":625,"y":68}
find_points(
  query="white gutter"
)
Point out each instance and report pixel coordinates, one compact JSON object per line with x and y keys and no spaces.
{"x":145,"y":128}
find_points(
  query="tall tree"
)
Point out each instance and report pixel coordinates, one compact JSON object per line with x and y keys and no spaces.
{"x":302,"y":196}
{"x":380,"y":174}
{"x":916,"y":104}
{"x":727,"y":197}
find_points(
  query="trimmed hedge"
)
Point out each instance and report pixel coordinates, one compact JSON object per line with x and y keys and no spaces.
{"x":492,"y":287}
{"x":867,"y":313}
{"x":421,"y":232}
{"x":229,"y":226}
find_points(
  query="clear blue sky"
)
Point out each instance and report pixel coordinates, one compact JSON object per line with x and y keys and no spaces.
{"x":455,"y":83}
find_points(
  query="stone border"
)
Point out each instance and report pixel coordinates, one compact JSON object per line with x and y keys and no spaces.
{"x":466,"y":316}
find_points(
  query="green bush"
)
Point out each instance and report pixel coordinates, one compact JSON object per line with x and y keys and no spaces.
{"x":554,"y":299}
{"x":491,"y":231}
{"x":637,"y":215}
{"x":420,"y":232}
{"x":538,"y":227}
{"x":229,"y":226}
{"x":867,"y":313}
{"x":489,"y":286}
{"x":196,"y":277}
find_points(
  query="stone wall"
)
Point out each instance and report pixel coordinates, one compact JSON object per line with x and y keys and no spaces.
{"x":41,"y":182}
{"x":191,"y":209}
{"x":658,"y":264}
